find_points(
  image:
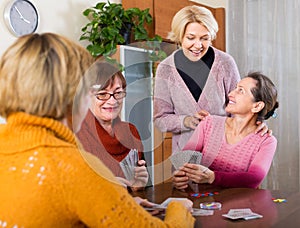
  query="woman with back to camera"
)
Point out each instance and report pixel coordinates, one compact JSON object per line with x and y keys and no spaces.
{"x":44,"y":175}
{"x":233,"y":155}
{"x":195,"y":80}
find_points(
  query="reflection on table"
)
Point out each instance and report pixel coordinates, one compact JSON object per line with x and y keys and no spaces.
{"x":285,"y":214}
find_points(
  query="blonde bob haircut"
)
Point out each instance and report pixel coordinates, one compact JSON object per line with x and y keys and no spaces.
{"x":39,"y":74}
{"x":190,"y":14}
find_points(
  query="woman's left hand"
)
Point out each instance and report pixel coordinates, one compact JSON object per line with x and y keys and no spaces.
{"x":140,"y":176}
{"x":199,"y":173}
{"x":262,"y":127}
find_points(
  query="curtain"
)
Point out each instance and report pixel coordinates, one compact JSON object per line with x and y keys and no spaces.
{"x":264,"y":35}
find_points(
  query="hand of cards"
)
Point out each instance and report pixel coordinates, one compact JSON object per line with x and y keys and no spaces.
{"x":128,"y":164}
{"x":186,"y":156}
{"x":244,"y":213}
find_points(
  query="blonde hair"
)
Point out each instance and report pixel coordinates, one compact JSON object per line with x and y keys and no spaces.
{"x":188,"y":15}
{"x":39,"y":74}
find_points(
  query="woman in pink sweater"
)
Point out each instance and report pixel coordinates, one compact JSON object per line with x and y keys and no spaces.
{"x":233,"y":155}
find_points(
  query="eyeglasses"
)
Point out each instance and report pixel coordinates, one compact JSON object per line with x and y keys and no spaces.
{"x":104,"y":96}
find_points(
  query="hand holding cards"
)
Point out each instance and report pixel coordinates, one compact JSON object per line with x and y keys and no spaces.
{"x":128,"y":164}
{"x":187,"y":156}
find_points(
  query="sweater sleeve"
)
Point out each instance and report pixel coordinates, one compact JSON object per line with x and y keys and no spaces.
{"x":257,"y":171}
{"x":228,"y":68}
{"x":98,"y":201}
{"x":165,"y":117}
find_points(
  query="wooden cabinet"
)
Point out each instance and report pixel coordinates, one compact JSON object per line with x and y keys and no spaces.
{"x":142,"y":4}
{"x":162,"y":153}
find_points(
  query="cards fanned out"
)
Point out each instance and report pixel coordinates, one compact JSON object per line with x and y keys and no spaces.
{"x":128,"y":164}
{"x":244,"y":213}
{"x":186,"y":156}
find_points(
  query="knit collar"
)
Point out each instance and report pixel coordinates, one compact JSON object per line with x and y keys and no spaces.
{"x":31,"y":131}
{"x":113,"y":144}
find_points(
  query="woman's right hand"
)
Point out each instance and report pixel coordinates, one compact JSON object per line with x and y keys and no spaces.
{"x":193,"y":121}
{"x":202,"y":114}
{"x":180,"y":180}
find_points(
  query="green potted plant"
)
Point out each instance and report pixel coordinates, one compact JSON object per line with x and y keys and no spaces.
{"x":110,"y":25}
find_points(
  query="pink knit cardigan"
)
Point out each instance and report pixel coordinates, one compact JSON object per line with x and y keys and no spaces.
{"x":173,"y":100}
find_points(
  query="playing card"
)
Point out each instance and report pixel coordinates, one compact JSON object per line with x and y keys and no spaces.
{"x":244,"y":213}
{"x":128,"y":163}
{"x":167,"y":201}
{"x":163,"y":205}
{"x":202,"y":212}
{"x":187,"y":156}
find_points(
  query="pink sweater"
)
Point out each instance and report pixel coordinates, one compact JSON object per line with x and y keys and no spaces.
{"x":244,"y":164}
{"x":173,"y":100}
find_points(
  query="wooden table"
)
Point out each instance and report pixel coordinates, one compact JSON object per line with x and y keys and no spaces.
{"x":285,"y":214}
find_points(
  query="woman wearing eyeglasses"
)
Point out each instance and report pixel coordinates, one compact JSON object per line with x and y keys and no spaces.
{"x":102,"y":132}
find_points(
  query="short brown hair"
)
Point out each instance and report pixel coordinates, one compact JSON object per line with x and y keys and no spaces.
{"x":104,"y":74}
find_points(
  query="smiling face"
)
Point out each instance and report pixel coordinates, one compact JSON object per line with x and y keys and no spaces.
{"x":196,"y":41}
{"x":108,"y":110}
{"x":241,"y":99}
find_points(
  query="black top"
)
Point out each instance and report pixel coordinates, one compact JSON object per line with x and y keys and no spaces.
{"x":194,"y":74}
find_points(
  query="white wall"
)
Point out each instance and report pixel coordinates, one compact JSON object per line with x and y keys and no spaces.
{"x":63,"y":17}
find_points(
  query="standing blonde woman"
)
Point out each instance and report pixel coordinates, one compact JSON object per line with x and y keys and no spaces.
{"x":195,"y":77}
{"x":45,"y":179}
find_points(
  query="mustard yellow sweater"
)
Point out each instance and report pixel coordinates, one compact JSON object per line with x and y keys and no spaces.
{"x":46,"y":182}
